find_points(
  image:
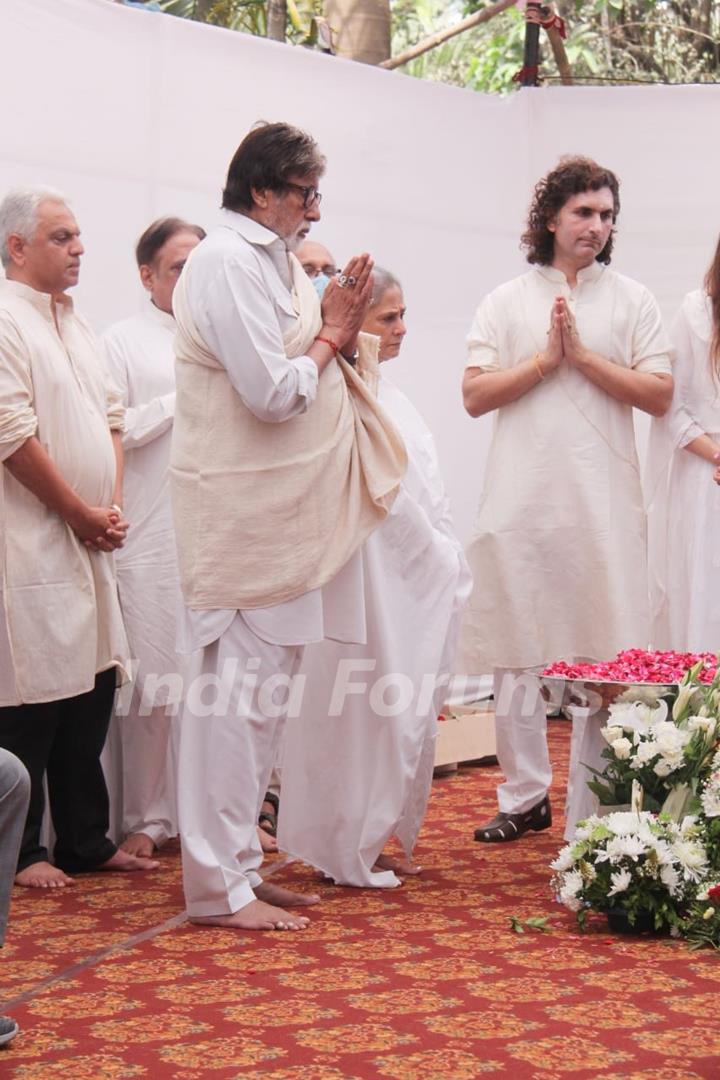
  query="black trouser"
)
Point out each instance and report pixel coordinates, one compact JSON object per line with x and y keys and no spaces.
{"x":65,"y":739}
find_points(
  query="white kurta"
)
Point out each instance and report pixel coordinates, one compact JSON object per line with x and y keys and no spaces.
{"x":61,"y":621}
{"x":558,"y":552}
{"x":684,"y":499}
{"x":353,"y":776}
{"x":238,"y":289}
{"x":140,"y":356}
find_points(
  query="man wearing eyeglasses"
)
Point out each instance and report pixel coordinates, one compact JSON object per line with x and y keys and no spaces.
{"x":318,"y":264}
{"x":282,"y":465}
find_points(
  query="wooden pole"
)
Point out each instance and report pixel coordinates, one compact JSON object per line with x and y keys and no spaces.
{"x":561,"y":57}
{"x":444,"y":35}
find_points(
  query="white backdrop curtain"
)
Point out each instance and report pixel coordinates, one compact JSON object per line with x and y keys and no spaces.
{"x":135,"y":115}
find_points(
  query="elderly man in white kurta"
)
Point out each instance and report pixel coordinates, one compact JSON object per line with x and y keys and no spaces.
{"x":61,"y":634}
{"x":282,"y":465}
{"x":140,"y":356}
{"x":361,"y":753}
{"x":563,"y":353}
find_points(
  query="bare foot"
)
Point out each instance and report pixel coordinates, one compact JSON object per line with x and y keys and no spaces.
{"x":43,"y":875}
{"x":256,"y":915}
{"x":139,"y":844}
{"x":121,"y":860}
{"x":267,"y":842}
{"x":398,"y":866}
{"x":275,"y":894}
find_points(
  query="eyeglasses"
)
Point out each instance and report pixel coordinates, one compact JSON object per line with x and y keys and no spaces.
{"x":315,"y":271}
{"x":311,"y":195}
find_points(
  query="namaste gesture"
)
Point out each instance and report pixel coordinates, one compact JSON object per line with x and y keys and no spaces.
{"x":563,"y":337}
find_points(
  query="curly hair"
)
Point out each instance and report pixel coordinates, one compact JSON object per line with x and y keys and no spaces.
{"x":571,"y":176}
{"x":712,"y":288}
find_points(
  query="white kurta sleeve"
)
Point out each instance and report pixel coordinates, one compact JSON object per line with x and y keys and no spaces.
{"x":651,"y":349}
{"x":682,"y":424}
{"x":115,"y":407}
{"x":482,"y":341}
{"x":18,"y":421}
{"x":142,"y":423}
{"x":237,"y":319}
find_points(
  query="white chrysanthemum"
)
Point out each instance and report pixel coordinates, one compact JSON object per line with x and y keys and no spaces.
{"x":565,"y":859}
{"x":624,"y":822}
{"x":624,"y":847}
{"x":572,"y":884}
{"x":585,"y":829}
{"x":670,"y":879}
{"x":687,"y":827}
{"x":710,"y":800}
{"x":620,"y":882}
{"x":692,"y":857}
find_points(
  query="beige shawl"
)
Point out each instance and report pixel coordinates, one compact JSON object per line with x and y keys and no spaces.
{"x":266,"y":512}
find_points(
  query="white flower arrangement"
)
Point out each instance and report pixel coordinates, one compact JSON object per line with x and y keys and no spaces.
{"x":637,"y":863}
{"x":663,"y":738}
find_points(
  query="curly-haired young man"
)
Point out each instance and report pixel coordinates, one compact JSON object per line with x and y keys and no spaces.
{"x":562,"y":355}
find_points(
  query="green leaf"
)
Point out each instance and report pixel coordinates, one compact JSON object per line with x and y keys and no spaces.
{"x":538,"y":922}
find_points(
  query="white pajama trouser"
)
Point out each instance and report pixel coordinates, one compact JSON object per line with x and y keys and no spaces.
{"x":148,"y":773}
{"x":521,"y":737}
{"x":228,"y":746}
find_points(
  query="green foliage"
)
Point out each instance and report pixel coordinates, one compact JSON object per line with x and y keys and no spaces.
{"x":250,"y":16}
{"x":608,"y":41}
{"x":414,"y":20}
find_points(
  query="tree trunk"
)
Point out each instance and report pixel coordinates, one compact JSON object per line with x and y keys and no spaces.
{"x":276,"y":19}
{"x":361,"y":29}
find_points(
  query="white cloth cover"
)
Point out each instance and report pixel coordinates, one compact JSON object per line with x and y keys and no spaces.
{"x":61,"y":616}
{"x":141,"y":360}
{"x":351,"y":781}
{"x":559,"y":552}
{"x":684,"y":501}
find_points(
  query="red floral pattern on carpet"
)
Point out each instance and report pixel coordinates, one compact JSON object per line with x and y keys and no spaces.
{"x":423,"y":981}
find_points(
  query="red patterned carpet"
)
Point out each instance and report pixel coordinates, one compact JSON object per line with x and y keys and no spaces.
{"x":424,"y":981}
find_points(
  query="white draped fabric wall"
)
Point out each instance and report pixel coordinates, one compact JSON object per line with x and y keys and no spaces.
{"x":134,"y":115}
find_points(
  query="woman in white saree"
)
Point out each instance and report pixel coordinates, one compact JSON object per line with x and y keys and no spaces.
{"x":684,"y":497}
{"x":358,"y":764}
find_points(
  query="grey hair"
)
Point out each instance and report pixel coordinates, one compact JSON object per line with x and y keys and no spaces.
{"x":19,"y":213}
{"x":382,"y":281}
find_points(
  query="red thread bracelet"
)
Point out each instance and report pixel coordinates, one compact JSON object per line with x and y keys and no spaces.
{"x":328,"y":341}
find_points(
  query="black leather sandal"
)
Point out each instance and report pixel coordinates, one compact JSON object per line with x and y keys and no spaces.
{"x":506,"y":827}
{"x":267,"y":819}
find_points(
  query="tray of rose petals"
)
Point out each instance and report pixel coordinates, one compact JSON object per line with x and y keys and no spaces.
{"x":634,"y":669}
